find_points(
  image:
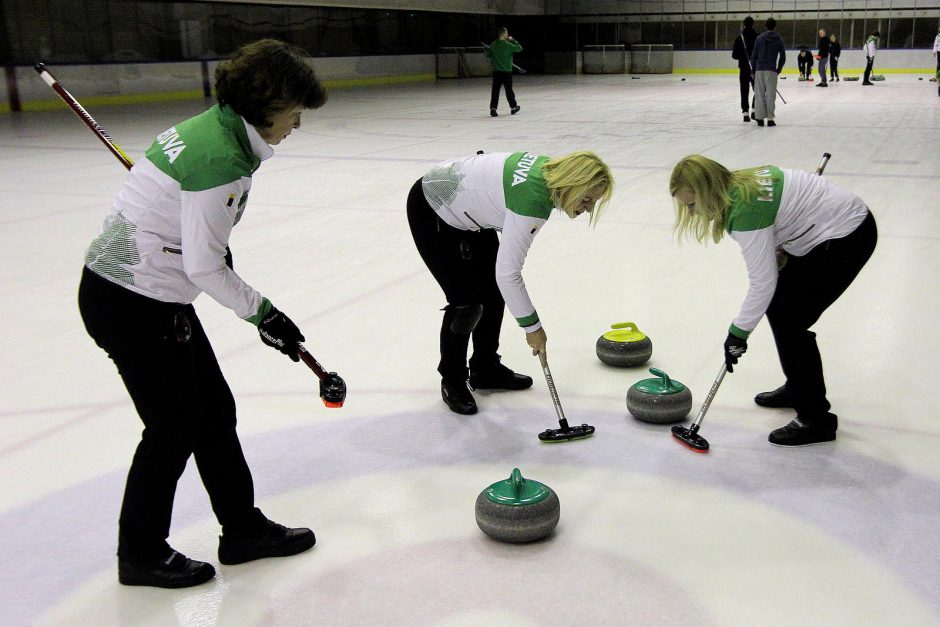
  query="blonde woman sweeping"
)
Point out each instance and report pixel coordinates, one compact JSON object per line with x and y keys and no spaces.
{"x":823,"y":235}
{"x":454,"y":212}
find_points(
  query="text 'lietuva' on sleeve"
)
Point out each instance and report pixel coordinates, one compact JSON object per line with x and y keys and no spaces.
{"x":529,"y":205}
{"x":751,"y":224}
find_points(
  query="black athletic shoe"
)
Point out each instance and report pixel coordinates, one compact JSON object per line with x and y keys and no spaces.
{"x":747,"y":118}
{"x":498,"y":377}
{"x":493,"y":113}
{"x":458,"y":397}
{"x":175,"y":571}
{"x":797,"y":433}
{"x":514,"y":110}
{"x":274,"y":541}
{"x":760,"y":122}
{"x":867,"y":83}
{"x":822,"y":84}
{"x":777,"y":398}
{"x":771,"y":123}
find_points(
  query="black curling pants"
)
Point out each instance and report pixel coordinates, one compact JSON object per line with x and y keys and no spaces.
{"x":163,"y":355}
{"x":464,"y":265}
{"x":747,"y":82}
{"x":868,"y":67}
{"x":502,"y":79}
{"x":806,"y":287}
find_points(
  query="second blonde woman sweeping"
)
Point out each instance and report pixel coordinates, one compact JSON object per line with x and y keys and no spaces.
{"x":454,"y":212}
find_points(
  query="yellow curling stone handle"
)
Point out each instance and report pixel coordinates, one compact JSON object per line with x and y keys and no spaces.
{"x":624,"y":332}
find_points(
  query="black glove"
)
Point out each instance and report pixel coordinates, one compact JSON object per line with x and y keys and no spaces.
{"x":279,"y":331}
{"x":734,"y":348}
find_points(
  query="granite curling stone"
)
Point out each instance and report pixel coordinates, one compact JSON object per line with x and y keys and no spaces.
{"x":517,"y":509}
{"x":624,"y":346}
{"x":659,"y":401}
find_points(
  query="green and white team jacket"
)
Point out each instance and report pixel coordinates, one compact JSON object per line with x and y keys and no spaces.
{"x":170,"y":224}
{"x":794,"y":211}
{"x":502,"y":191}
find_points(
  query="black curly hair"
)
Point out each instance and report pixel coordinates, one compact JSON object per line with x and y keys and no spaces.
{"x":267,"y":76}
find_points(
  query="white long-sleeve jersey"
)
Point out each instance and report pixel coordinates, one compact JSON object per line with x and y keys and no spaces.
{"x":795,"y":211}
{"x":169,"y":226}
{"x":502,"y":191}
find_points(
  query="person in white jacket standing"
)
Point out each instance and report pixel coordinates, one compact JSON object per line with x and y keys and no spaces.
{"x":164,"y":243}
{"x":936,"y":53}
{"x":870,"y":48}
{"x":824,"y":235}
{"x":454,"y":212}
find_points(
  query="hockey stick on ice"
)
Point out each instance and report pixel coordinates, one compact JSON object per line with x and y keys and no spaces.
{"x":332,"y":386}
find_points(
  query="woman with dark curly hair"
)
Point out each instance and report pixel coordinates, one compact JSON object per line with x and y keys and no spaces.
{"x":164,"y":242}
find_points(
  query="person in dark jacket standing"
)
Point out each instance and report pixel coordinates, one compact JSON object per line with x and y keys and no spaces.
{"x":835,"y":49}
{"x":500,"y":53}
{"x":823,"y":55}
{"x":743,"y":47}
{"x":767,"y":61}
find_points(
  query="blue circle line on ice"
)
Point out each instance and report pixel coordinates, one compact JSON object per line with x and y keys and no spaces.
{"x":888,"y":512}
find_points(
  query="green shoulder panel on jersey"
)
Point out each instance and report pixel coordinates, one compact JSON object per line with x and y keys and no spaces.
{"x":524,"y":187}
{"x":205,"y":151}
{"x":760,"y":212}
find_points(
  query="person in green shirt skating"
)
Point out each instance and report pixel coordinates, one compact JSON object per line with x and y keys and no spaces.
{"x":500,"y":53}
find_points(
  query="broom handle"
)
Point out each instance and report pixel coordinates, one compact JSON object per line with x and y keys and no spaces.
{"x":551,"y":388}
{"x":708,"y":399}
{"x":85,"y":117}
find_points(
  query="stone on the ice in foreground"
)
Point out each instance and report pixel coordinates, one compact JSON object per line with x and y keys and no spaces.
{"x":517,"y":509}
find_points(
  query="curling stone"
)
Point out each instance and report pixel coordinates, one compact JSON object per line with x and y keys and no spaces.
{"x":517,"y":509}
{"x":659,"y":401}
{"x":624,"y":346}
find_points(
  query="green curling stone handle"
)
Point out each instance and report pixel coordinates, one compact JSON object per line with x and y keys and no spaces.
{"x":517,"y":490}
{"x":663,"y":385}
{"x":516,"y":479}
{"x":667,"y":382}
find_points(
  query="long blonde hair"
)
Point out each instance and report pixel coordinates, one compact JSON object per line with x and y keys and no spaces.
{"x":569,"y":179}
{"x":714,"y":187}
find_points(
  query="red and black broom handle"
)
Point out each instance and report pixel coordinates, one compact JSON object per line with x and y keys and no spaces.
{"x":79,"y":110}
{"x":332,"y":387}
